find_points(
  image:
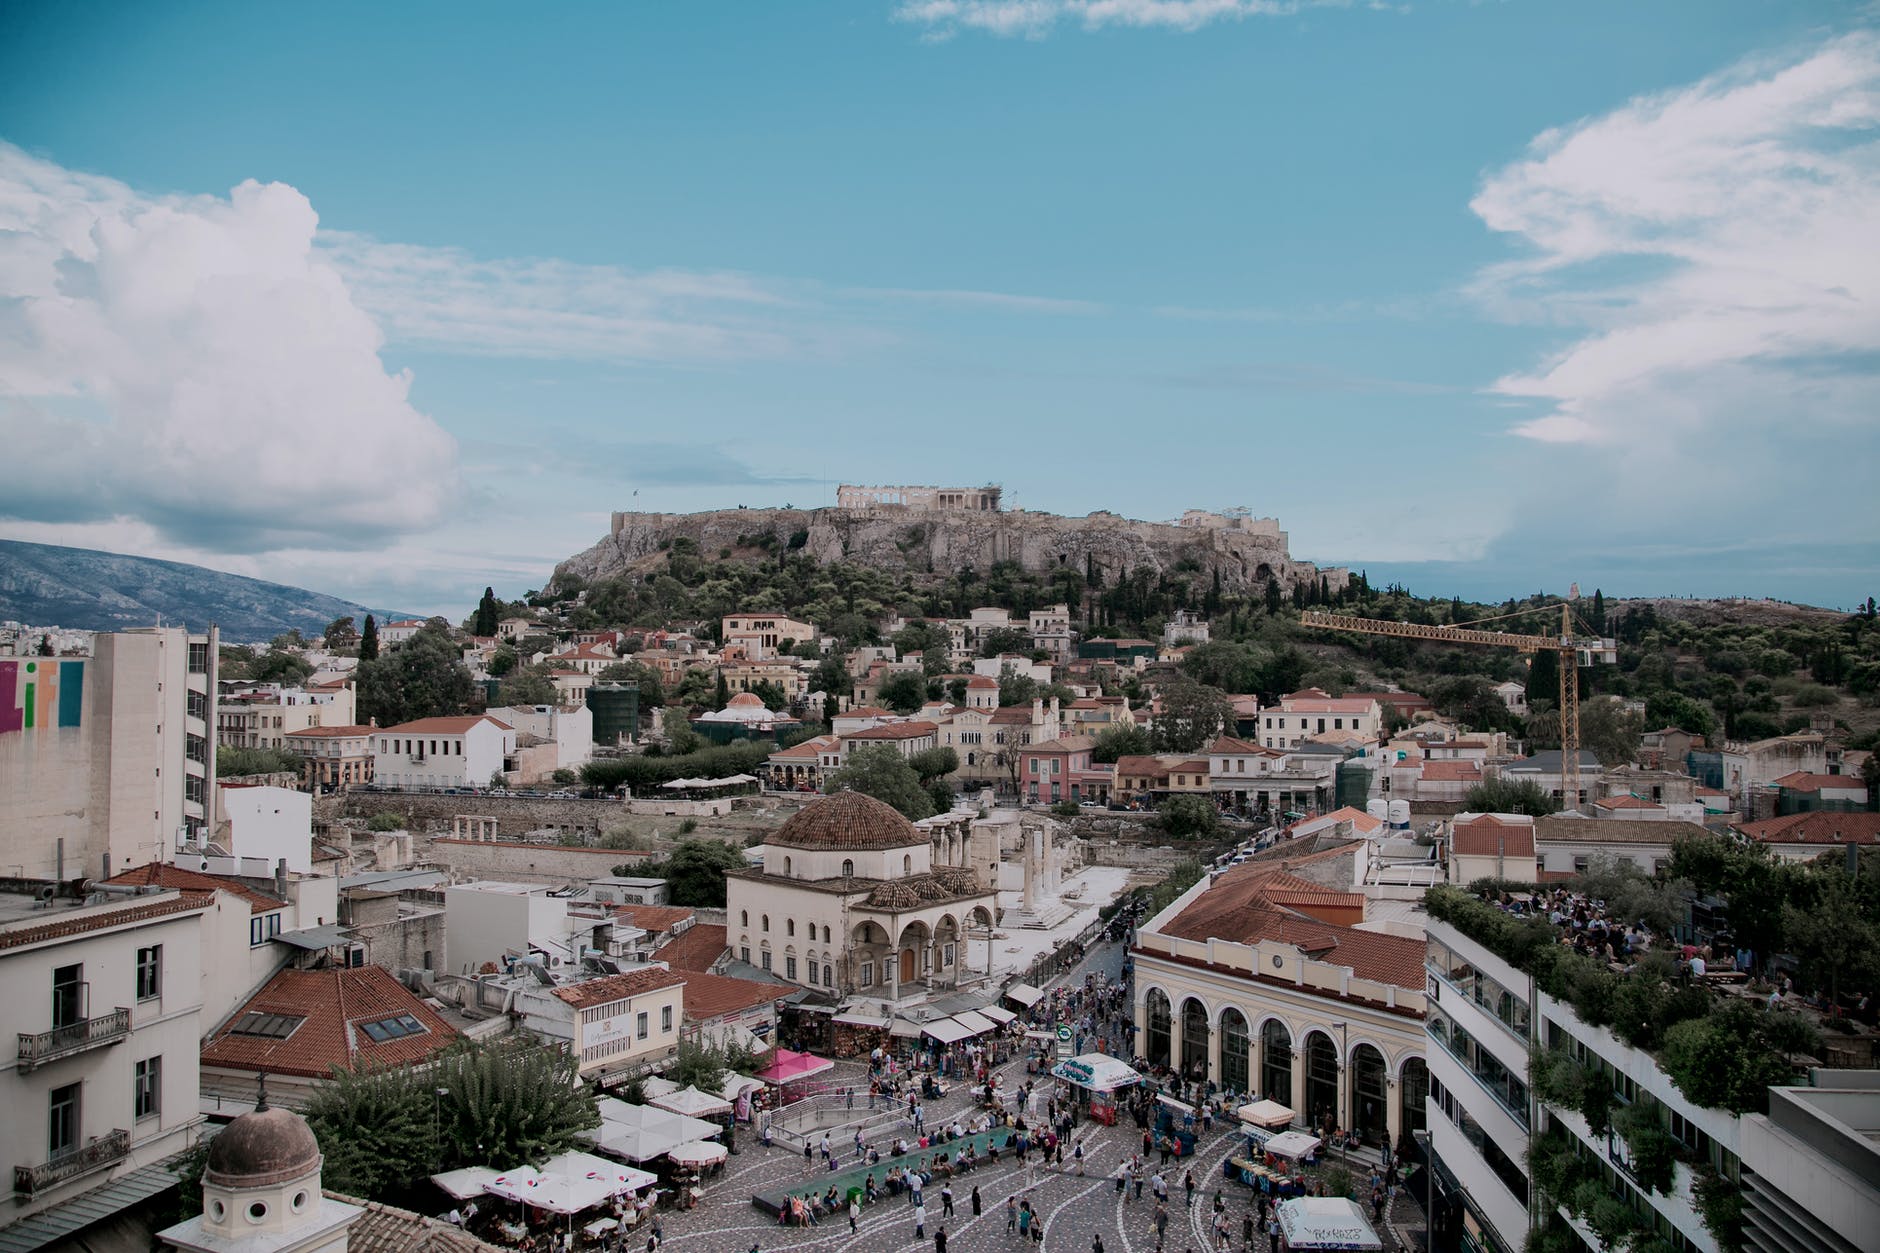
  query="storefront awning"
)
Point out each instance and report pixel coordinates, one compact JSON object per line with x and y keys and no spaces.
{"x":1266,"y":1114}
{"x":1024,"y":994}
{"x":947,"y":1031}
{"x":854,"y":1018}
{"x":998,"y":1014}
{"x":975,"y":1022}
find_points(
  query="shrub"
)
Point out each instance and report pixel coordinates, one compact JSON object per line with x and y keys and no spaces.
{"x":1189,"y":817}
{"x":387,"y":821}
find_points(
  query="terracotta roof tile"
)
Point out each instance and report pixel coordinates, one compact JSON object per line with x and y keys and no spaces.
{"x":655,"y":919}
{"x":387,"y":1229}
{"x":78,"y":922}
{"x":1491,"y":836}
{"x":1802,"y":781}
{"x":165,"y":875}
{"x":318,"y":732}
{"x":444,"y":726}
{"x":709,"y":996}
{"x":334,"y":1006}
{"x":1824,"y":827}
{"x":894,"y":731}
{"x":696,"y":949}
{"x":1451,"y":772}
{"x":618,"y":987}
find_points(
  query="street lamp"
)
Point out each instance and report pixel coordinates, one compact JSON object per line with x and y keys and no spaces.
{"x":437,"y":1139}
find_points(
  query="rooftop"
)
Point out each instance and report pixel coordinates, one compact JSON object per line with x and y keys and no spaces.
{"x":165,"y":875}
{"x":696,"y":949}
{"x":306,"y":1022}
{"x":609,"y":988}
{"x":709,"y":996}
{"x":1822,"y":826}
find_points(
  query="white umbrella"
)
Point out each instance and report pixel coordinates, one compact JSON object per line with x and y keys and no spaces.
{"x":466,"y":1183}
{"x":1325,"y":1222}
{"x":657,"y":1086}
{"x":1266,"y":1114}
{"x":698,"y":1153}
{"x":692,"y":1103}
{"x":1293,"y":1144}
{"x":1099,"y":1072}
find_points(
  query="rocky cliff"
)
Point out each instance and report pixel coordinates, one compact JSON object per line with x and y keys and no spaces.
{"x":938,"y":542}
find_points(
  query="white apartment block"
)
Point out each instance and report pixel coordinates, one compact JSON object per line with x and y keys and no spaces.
{"x":442,"y":752}
{"x":1305,"y":715}
{"x":265,"y":717}
{"x":101,"y":1052}
{"x":107,"y":760}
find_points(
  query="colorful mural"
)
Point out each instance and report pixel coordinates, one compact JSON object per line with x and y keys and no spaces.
{"x":39,"y":692}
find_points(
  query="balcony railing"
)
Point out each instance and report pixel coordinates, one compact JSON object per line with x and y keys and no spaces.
{"x":101,"y":1152}
{"x":42,"y":1047}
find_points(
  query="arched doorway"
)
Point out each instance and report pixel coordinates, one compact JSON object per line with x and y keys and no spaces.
{"x":1413,"y":1089}
{"x":1234,"y":1040}
{"x":1321,"y":1081}
{"x":1369,"y":1116}
{"x":1194,"y":1039}
{"x":1276,"y":1062}
{"x":914,"y":953}
{"x":871,"y":958}
{"x":1159,"y":1018}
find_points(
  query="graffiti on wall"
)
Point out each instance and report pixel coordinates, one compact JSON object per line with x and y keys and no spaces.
{"x":40,"y":692}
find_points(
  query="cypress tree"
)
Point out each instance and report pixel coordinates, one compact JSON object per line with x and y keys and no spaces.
{"x":369,"y":640}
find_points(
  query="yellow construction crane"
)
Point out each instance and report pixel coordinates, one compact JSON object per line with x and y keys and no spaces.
{"x":1575,"y":650}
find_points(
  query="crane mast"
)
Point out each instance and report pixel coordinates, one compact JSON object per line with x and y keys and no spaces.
{"x":1575,"y":651}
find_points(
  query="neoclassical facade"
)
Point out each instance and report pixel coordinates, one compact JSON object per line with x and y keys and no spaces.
{"x":1261,"y":980}
{"x":855,"y":900}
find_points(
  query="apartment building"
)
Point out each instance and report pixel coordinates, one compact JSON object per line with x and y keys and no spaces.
{"x":1303,"y":715}
{"x":263,"y":717}
{"x":442,"y":752}
{"x":333,"y":757}
{"x":108,"y":760}
{"x":99,"y":1062}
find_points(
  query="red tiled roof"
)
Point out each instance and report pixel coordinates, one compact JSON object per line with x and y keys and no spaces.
{"x":865,"y":711}
{"x":1817,"y":827}
{"x":1451,"y":772}
{"x":164,"y":875}
{"x":1228,"y":744}
{"x":78,"y":923}
{"x":618,"y":987}
{"x":445,"y":726}
{"x":1802,"y":781}
{"x":808,"y":749}
{"x":981,"y":682}
{"x":334,"y":1005}
{"x":709,"y":996}
{"x":1069,"y":744}
{"x":1012,"y":715}
{"x":1490,"y":836}
{"x":694,"y":950}
{"x":1153,"y":767}
{"x":895,"y":731}
{"x":1626,"y":802}
{"x":654,"y":918}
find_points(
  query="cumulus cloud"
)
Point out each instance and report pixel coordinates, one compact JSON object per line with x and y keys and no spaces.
{"x":1711,"y":251}
{"x":196,"y":363}
{"x":1036,"y":18}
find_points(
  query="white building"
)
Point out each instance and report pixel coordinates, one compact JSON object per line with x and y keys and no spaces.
{"x":853,"y":898}
{"x":617,"y":1026}
{"x":101,"y":1040}
{"x":570,"y":730}
{"x":486,"y":924}
{"x":1050,"y":629}
{"x":263,"y":717}
{"x":1184,"y":627}
{"x":261,"y":1194}
{"x":394,"y":633}
{"x":442,"y":752}
{"x":106,"y":760}
{"x":268,"y":824}
{"x":1305,"y":714}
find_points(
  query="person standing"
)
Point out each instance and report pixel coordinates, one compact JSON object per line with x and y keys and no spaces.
{"x":975,"y":1200}
{"x":920,"y":1220}
{"x":946,"y":1200}
{"x":940,"y":1240}
{"x":855,"y":1211}
{"x":1011,"y":1215}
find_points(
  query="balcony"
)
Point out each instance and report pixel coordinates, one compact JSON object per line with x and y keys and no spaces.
{"x":91,"y":1033}
{"x":105,"y":1150}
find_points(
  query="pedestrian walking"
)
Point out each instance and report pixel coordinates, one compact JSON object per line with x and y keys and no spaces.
{"x":946,"y":1200}
{"x":1011,"y":1215}
{"x":940,"y":1240}
{"x":1188,"y":1182}
{"x":920,"y":1221}
{"x":855,"y":1211}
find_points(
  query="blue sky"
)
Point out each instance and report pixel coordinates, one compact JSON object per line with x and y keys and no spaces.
{"x":394,"y":301}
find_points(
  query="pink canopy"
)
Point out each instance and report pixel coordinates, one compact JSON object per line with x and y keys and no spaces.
{"x":790,"y":1067}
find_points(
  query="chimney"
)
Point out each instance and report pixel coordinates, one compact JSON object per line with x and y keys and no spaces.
{"x":280,"y":878}
{"x":58,"y":874}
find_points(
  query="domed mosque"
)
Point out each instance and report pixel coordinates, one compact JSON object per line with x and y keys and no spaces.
{"x":855,"y":900}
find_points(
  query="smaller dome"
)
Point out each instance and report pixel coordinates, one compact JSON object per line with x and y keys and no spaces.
{"x":981,"y":681}
{"x":259,"y":1150}
{"x":745,"y":700}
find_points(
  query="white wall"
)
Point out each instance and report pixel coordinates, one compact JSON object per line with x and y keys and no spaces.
{"x":272,"y":823}
{"x":482,"y":921}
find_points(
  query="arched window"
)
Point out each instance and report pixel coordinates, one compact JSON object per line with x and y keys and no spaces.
{"x":848,"y":868}
{"x":786,"y":865}
{"x":825,"y":936}
{"x":907,"y":864}
{"x":744,"y":917}
{"x":789,"y":926}
{"x":766,"y":922}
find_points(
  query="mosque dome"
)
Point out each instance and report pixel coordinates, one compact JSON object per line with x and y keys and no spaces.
{"x":848,"y":821}
{"x":269,"y":1146}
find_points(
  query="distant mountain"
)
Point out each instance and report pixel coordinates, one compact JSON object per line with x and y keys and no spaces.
{"x":84,"y":589}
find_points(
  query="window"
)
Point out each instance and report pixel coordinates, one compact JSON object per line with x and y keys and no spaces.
{"x":392,"y":1028}
{"x":268,"y":1026}
{"x":147,"y":1087}
{"x":765,"y":955}
{"x":665,"y":1018}
{"x":907,"y":865}
{"x":786,"y":865}
{"x":766,"y":922}
{"x":199,"y":658}
{"x":825,"y":933}
{"x":639,"y":1025}
{"x":789,"y":967}
{"x":263,"y":928}
{"x":848,"y":869}
{"x":744,"y":953}
{"x":868,"y":974}
{"x":744,"y":917}
{"x":789,"y":926}
{"x":68,"y":996}
{"x":149,"y":972}
{"x":62,"y":1122}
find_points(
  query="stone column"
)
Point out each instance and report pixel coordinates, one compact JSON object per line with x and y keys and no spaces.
{"x":1344,"y":1116}
{"x":1393,"y":1112}
{"x":1256,"y":1062}
{"x":1174,"y":1038}
{"x":1297,"y":1097}
{"x":1214,"y":1054}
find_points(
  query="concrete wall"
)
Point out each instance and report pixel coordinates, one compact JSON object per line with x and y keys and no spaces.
{"x":552,"y":864}
{"x":270,"y":823}
{"x":515,"y":815}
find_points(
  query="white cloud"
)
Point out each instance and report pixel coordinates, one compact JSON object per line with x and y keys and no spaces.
{"x":197,"y":364}
{"x":1033,"y":19}
{"x":1713,"y":248}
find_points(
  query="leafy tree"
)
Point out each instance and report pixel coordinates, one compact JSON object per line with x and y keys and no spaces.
{"x":1016,"y":688}
{"x":771,"y":693}
{"x":696,"y":688}
{"x":1543,"y":679}
{"x":339,"y":632}
{"x":231,"y":763}
{"x":369,"y":640}
{"x":1189,"y":817}
{"x":1674,"y":709}
{"x":502,"y":661}
{"x":1221,"y":663}
{"x":934,"y":763}
{"x":375,"y":1128}
{"x":1122,"y":740}
{"x":1273,"y":601}
{"x":1004,"y":640}
{"x":697,"y":1065}
{"x":681,"y":739}
{"x":275,"y":666}
{"x":1503,"y":796}
{"x":1834,"y":936}
{"x":488,"y":614}
{"x":527,"y":685}
{"x":903,"y":691}
{"x":881,"y":772}
{"x":1471,"y":700}
{"x":512,"y":1100}
{"x":387,"y":821}
{"x":695,"y":873}
{"x":425,"y":678}
{"x":1724,"y":1060}
{"x":1192,"y":715}
{"x":721,"y":692}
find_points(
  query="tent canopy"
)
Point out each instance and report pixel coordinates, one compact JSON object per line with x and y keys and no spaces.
{"x":1024,"y":994}
{"x":639,"y":1133}
{"x":975,"y":1022}
{"x":790,"y":1067}
{"x":463,"y":1184}
{"x":569,"y":1183}
{"x":1266,"y":1114}
{"x":693,"y":1103}
{"x":1099,"y":1072}
{"x":1325,"y":1222}
{"x":737,"y":1085}
{"x":1293,"y":1144}
{"x":658,"y":1085}
{"x":998,"y":1014}
{"x":698,"y":1153}
{"x":947,"y":1030}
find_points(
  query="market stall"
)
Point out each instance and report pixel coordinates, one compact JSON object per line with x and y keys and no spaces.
{"x":1261,"y":1120}
{"x":692,"y":1103}
{"x":1324,"y":1223}
{"x":1024,"y":995}
{"x":465,"y":1184}
{"x":789,"y":1067}
{"x":1296,"y":1145}
{"x":640,"y":1133}
{"x":1093,"y":1080}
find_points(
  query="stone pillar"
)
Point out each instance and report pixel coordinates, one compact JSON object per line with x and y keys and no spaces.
{"x":1393,"y":1112}
{"x":1175,"y":1038}
{"x":1256,"y":1062}
{"x":1214,"y":1055}
{"x":1344,"y":1116}
{"x":1297,"y":1097}
{"x":1028,"y":898}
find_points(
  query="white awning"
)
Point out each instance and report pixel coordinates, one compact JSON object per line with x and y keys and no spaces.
{"x":855,"y":1018}
{"x":1024,"y":994}
{"x":1325,"y":1222}
{"x":1266,"y":1114}
{"x":947,"y":1031}
{"x":975,"y":1022}
{"x":693,"y":1103}
{"x":466,"y":1183}
{"x":1293,"y":1144}
{"x":1097,"y":1072}
{"x":998,"y":1014}
{"x":901,"y":1028}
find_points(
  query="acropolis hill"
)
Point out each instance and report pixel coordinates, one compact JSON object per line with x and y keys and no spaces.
{"x":933,"y":530}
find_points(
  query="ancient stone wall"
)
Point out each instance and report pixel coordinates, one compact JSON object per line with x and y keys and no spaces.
{"x":528,"y":863}
{"x":425,"y":813}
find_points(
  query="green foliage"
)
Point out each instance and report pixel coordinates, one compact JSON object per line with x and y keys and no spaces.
{"x":1471,"y":700}
{"x":1004,"y":640}
{"x":233,"y":763}
{"x":1674,"y":709}
{"x":1725,"y":1060}
{"x":277,"y":666}
{"x":1189,"y":818}
{"x":566,"y":775}
{"x":488,"y":613}
{"x":681,"y":739}
{"x":934,"y":763}
{"x":1065,"y":809}
{"x":527,"y":685}
{"x":694,"y":873}
{"x":1125,"y":740}
{"x":770,"y":693}
{"x":1719,"y":1202}
{"x":643,"y":774}
{"x":387,"y":821}
{"x":1650,"y":1148}
{"x":1183,"y":876}
{"x":698,"y":1065}
{"x":423,"y":678}
{"x":1192,"y":715}
{"x":1505,"y":796}
{"x":1832,"y":929}
{"x":880,"y":771}
{"x":903,"y":691}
